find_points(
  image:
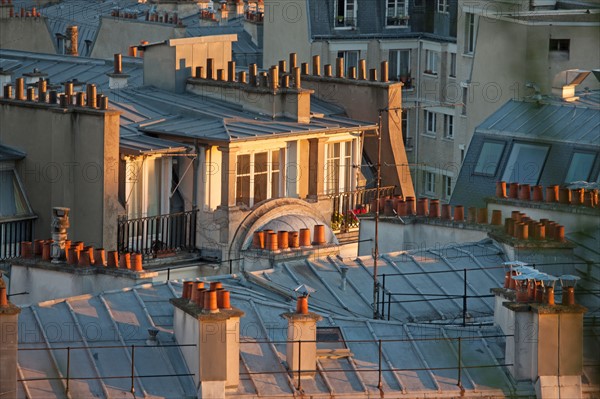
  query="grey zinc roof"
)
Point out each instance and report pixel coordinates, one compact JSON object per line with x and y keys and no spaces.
{"x":192,"y":116}
{"x":566,"y":122}
{"x":424,"y":357}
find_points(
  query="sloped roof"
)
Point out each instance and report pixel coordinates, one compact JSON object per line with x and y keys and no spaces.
{"x":193,"y":116}
{"x":10,"y":154}
{"x":121,"y":318}
{"x":565,"y":122}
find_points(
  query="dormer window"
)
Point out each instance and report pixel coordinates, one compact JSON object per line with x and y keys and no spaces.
{"x":396,"y":13}
{"x":345,"y":16}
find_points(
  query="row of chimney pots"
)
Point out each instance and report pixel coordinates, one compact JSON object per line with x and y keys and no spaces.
{"x":77,"y":254}
{"x":531,"y":286}
{"x":282,"y":240}
{"x":554,"y":194}
{"x":40,"y":94}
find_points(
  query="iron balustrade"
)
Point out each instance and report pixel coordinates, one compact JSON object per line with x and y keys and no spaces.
{"x":154,"y":235}
{"x":12,"y":232}
{"x":348,"y":204}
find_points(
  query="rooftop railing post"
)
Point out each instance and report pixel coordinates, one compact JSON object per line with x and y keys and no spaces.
{"x":389,"y":305}
{"x":464,"y":297}
{"x":383,"y":298}
{"x":132,"y":369}
{"x":459,"y":366}
{"x":380,"y":383}
{"x":68,"y":367}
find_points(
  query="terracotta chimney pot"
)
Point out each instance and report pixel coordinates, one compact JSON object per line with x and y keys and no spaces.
{"x":552,"y":193}
{"x":447,"y":212}
{"x":319,"y":234}
{"x":113,"y":259}
{"x":538,"y":193}
{"x":524,"y":192}
{"x":501,"y":189}
{"x":401,"y":209}
{"x":434,"y":209}
{"x":410,"y":206}
{"x":302,"y":305}
{"x":99,"y":257}
{"x":316,"y":65}
{"x":568,"y":296}
{"x":294,"y":239}
{"x":459,"y":213}
{"x":283,"y":239}
{"x":513,"y":190}
{"x":137,"y":262}
{"x":472,"y":215}
{"x":497,"y":217}
{"x":482,"y":216}
{"x":305,"y":237}
{"x":125,"y":261}
{"x":46,"y":250}
{"x":272,"y":241}
{"x":564,"y":196}
{"x":210,"y":302}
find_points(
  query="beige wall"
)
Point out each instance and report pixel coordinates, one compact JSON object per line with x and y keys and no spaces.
{"x":72,"y":161}
{"x":115,"y":35}
{"x":26,"y":34}
{"x":285,"y":31}
{"x":167,"y":66}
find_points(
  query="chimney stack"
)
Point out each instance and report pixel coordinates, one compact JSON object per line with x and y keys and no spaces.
{"x":301,"y":348}
{"x":9,"y":315}
{"x":215,"y":329}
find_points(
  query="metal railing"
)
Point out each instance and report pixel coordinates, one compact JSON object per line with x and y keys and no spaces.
{"x":348,"y":204}
{"x":12,"y":232}
{"x":154,"y":235}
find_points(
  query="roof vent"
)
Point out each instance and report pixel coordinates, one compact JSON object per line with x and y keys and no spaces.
{"x":152,"y":340}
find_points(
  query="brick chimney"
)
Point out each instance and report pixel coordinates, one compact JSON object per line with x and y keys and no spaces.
{"x":9,"y":315}
{"x":301,"y":349}
{"x":214,"y":327}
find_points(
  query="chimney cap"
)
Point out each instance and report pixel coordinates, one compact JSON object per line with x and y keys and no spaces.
{"x":304,"y":290}
{"x":568,"y":280}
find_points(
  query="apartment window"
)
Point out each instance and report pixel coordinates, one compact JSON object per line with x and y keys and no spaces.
{"x":396,"y":13}
{"x":449,"y":126}
{"x":489,"y":158}
{"x":257,"y":177}
{"x":399,"y":66}
{"x":345,"y":13}
{"x":430,"y":119}
{"x":442,"y":6}
{"x":452,"y":72}
{"x":448,"y":186}
{"x":581,"y":167}
{"x":465,"y":98}
{"x":429,"y":183}
{"x":525,"y":163}
{"x":469,"y":33}
{"x":431,"y":62}
{"x":350,"y":58}
{"x":338,"y":167}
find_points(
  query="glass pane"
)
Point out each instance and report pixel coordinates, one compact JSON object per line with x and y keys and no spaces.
{"x":581,"y":166}
{"x":260,"y":187}
{"x":525,"y":163}
{"x":275,"y":185}
{"x":243,"y":164}
{"x":275,"y":160}
{"x":154,"y":186}
{"x":242,"y":193}
{"x":489,"y":157}
{"x":261,"y":162}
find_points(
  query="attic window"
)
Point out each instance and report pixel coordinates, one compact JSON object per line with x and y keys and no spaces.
{"x":396,"y":13}
{"x":489,"y":158}
{"x":525,"y":163}
{"x":330,"y":338}
{"x":581,"y":167}
{"x":12,"y":197}
{"x":345,"y":14}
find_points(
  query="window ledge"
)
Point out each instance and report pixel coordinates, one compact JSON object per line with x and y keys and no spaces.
{"x":468,"y":55}
{"x":397,"y":26}
{"x":449,"y":139}
{"x":435,"y":75}
{"x":344,"y":27}
{"x":429,"y":135}
{"x":451,"y":77}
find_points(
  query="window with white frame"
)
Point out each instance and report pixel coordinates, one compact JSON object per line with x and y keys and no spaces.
{"x":452,"y":70}
{"x":397,"y":13}
{"x":447,"y":186}
{"x":431,"y":62}
{"x":429,"y":183}
{"x":449,"y":126}
{"x":338,"y":167}
{"x":469,"y":33}
{"x":345,"y":15}
{"x":442,"y":6}
{"x":350,"y":57}
{"x":399,"y":66}
{"x":430,"y":122}
{"x":465,"y":98}
{"x":143,"y":187}
{"x":405,"y":127}
{"x":257,"y":177}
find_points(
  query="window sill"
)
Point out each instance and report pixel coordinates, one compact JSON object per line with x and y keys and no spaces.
{"x":344,"y":27}
{"x":431,"y":74}
{"x":397,"y":26}
{"x":468,"y":55}
{"x":449,"y":139}
{"x":452,"y":77}
{"x":429,"y":135}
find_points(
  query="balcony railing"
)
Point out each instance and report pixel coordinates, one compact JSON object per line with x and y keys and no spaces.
{"x":156,"y":235}
{"x":12,"y":232}
{"x":348,"y":204}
